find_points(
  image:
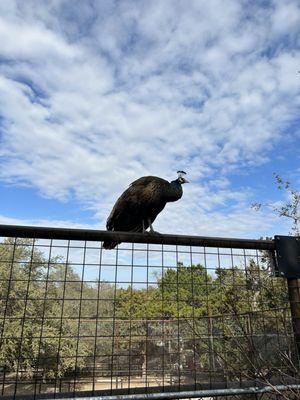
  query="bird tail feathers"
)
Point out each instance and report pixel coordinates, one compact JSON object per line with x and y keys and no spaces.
{"x":110,"y":244}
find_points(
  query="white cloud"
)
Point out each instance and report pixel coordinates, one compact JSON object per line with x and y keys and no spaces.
{"x":93,"y":97}
{"x":33,"y":42}
{"x":286,"y":17}
{"x":45,"y":222}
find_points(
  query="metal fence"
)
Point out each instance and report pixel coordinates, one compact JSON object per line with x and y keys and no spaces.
{"x":160,"y":316}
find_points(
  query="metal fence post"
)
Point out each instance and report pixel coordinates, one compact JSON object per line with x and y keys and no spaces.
{"x":294,"y":299}
{"x":288,"y":259}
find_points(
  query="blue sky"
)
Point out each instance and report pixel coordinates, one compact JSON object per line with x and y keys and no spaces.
{"x":95,"y":94}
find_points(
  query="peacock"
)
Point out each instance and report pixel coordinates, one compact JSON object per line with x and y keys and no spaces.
{"x":136,"y":209}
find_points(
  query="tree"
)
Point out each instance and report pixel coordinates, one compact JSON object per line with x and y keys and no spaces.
{"x":224,"y":319}
{"x":290,"y":209}
{"x":33,"y":339}
{"x":190,"y":320}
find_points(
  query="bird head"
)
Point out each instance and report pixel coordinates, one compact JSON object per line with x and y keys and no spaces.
{"x":181,"y":177}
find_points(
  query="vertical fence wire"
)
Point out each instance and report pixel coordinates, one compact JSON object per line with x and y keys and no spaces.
{"x":5,"y":298}
{"x":60,"y":320}
{"x":44,"y":301}
{"x":95,"y":375}
{"x":22,"y":342}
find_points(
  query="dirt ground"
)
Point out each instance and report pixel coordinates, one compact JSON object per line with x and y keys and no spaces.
{"x":83,"y":384}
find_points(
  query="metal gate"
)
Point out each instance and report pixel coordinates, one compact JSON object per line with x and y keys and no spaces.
{"x":160,"y":316}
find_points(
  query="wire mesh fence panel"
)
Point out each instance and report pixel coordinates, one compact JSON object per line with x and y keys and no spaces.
{"x":75,"y":318}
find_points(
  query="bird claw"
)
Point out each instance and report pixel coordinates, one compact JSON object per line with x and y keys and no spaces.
{"x":151,"y":232}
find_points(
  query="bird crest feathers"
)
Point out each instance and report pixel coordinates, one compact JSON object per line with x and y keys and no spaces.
{"x":181,"y":174}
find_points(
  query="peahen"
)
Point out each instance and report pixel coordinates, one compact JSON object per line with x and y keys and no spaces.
{"x":137,"y":208}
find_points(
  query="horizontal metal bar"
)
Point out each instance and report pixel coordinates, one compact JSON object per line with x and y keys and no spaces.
{"x":189,"y":394}
{"x":130,"y":237}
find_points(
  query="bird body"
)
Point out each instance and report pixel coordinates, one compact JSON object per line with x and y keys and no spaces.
{"x":136,"y":209}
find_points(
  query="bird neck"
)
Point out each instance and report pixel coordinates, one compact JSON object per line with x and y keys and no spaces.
{"x":175,"y":191}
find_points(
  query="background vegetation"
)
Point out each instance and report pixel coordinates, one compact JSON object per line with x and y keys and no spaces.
{"x":195,"y":317}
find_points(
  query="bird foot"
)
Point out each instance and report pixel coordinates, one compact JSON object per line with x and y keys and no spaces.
{"x":151,"y":232}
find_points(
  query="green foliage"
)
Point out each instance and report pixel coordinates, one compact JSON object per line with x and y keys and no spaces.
{"x":133,"y":303}
{"x":213,"y":315}
{"x":193,"y":292}
{"x":186,"y":292}
{"x":32,"y":288}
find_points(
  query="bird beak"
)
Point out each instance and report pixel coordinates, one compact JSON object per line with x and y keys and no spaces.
{"x":186,"y":181}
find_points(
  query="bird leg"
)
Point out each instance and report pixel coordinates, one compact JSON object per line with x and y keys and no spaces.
{"x":151,"y":227}
{"x":144,"y":230}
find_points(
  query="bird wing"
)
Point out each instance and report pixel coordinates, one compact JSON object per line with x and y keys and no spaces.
{"x":141,"y":200}
{"x":148,"y":191}
{"x":125,"y":211}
